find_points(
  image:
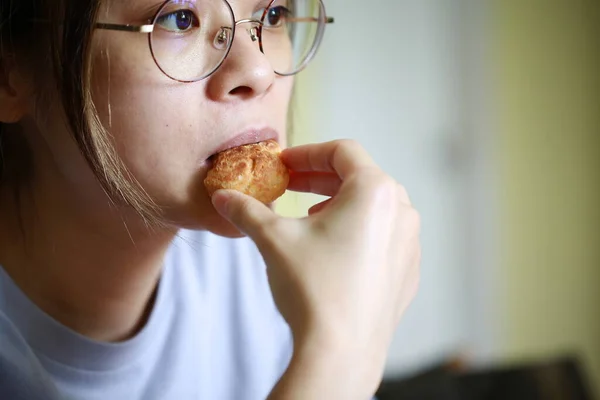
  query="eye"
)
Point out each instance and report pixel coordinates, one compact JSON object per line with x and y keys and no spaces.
{"x":178,"y":21}
{"x":275,"y":16}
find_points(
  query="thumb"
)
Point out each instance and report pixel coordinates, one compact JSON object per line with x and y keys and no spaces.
{"x":246,"y":213}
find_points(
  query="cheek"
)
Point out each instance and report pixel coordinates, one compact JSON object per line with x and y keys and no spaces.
{"x":150,"y":117}
{"x":154,"y":131}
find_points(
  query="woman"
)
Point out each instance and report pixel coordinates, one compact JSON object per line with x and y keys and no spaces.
{"x":121,"y":278}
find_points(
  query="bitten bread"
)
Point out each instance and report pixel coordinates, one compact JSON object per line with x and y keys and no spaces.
{"x":253,"y":169}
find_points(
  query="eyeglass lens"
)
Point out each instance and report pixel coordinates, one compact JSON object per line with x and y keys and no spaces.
{"x":191,"y":38}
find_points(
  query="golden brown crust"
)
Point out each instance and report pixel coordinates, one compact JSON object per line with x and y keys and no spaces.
{"x":254,"y":169}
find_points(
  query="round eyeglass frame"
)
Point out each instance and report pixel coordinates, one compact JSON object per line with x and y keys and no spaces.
{"x":149,"y":29}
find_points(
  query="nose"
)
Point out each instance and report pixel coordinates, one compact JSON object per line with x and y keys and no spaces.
{"x":246,"y":72}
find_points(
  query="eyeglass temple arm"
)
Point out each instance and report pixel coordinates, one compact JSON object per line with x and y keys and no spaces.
{"x":150,"y":28}
{"x":328,"y":20}
{"x":126,"y":28}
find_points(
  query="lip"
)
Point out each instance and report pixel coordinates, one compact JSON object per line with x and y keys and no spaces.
{"x":249,"y":136}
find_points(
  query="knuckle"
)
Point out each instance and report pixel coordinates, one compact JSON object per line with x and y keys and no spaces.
{"x":349,"y":149}
{"x":248,"y":217}
{"x":267,"y":228}
{"x":381,"y":185}
{"x":349,"y":145}
{"x":244,"y":205}
{"x":379,"y":178}
{"x":413,"y":219}
{"x":270,"y":229}
{"x":243,"y":208}
{"x":376,"y":188}
{"x":415,"y":285}
{"x":418,"y":260}
{"x":388,"y":183}
{"x":375,"y":179}
{"x":403,"y":193}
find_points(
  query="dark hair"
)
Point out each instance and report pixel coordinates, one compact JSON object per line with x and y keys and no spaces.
{"x":59,"y":33}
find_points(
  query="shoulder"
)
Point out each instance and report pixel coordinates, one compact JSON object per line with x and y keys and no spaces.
{"x":21,"y":374}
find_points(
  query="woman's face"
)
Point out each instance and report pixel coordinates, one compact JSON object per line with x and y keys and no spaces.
{"x":165,"y":131}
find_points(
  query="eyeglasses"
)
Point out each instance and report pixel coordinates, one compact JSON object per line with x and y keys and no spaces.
{"x":190,"y":39}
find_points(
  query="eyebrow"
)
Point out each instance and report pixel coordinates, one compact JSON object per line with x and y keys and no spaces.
{"x":135,"y":7}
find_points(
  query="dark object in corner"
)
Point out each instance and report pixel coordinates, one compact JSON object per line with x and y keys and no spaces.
{"x":559,"y":380}
{"x":435,"y":384}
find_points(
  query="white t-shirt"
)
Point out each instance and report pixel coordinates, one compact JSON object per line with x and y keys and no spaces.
{"x":214,"y":333}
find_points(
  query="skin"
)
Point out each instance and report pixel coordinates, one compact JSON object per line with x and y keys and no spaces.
{"x":94,"y":267}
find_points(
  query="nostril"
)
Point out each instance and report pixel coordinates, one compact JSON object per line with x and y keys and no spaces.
{"x":243,"y":91}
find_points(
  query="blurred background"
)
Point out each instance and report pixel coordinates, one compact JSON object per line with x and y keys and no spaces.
{"x":489,"y":113}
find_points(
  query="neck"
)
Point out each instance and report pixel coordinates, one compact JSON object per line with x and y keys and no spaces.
{"x":94,"y":272}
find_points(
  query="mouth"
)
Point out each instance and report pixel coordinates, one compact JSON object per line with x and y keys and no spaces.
{"x":250,"y":136}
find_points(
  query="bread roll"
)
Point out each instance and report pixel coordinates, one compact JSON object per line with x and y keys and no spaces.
{"x":253,"y":169}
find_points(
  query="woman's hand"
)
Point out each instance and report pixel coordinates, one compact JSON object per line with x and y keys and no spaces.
{"x":341,"y":277}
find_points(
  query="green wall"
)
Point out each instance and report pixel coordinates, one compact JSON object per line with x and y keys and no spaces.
{"x":547,"y":71}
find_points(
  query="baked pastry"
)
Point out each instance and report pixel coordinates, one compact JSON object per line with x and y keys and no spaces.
{"x":253,"y":169}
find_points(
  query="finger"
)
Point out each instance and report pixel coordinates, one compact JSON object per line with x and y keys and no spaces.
{"x":249,"y":215}
{"x":403,"y":195}
{"x":319,"y":207}
{"x":410,"y":283}
{"x":343,"y":157}
{"x":323,"y":183}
